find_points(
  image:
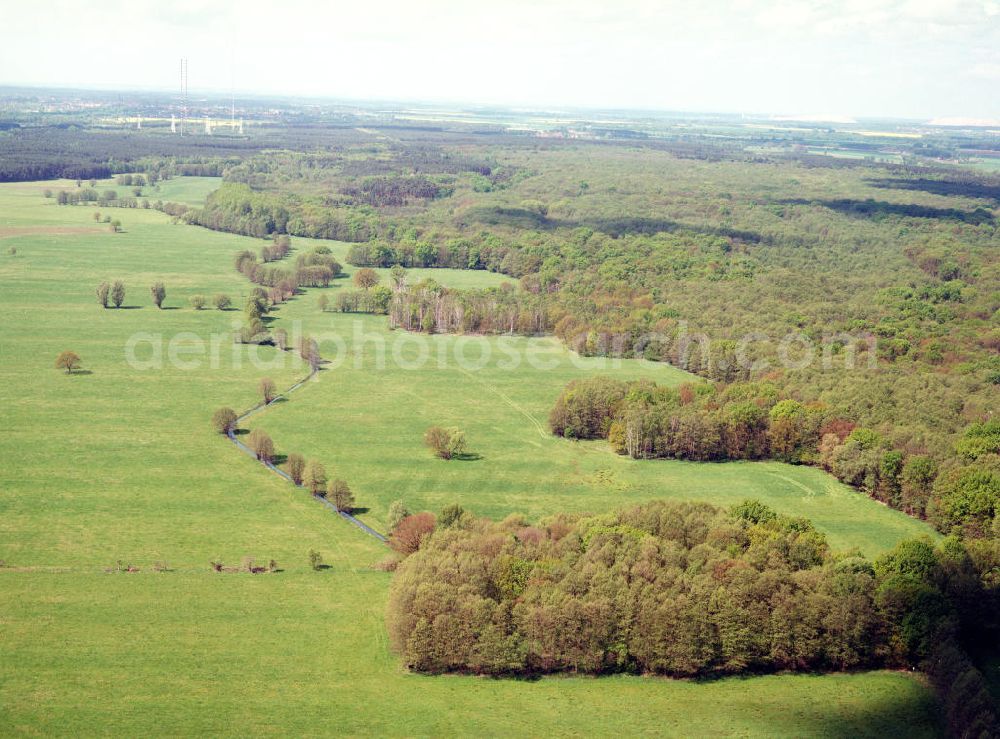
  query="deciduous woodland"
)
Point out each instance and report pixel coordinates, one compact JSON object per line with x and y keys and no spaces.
{"x":687,"y":590}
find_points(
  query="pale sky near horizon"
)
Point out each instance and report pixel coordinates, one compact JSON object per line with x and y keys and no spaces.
{"x":906,"y":58}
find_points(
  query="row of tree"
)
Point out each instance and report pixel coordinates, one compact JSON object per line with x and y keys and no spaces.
{"x":309,"y":474}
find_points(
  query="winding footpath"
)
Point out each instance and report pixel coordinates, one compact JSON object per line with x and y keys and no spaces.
{"x":240,"y":445}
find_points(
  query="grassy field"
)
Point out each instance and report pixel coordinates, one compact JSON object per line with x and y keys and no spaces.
{"x":119,"y":463}
{"x":365,"y":417}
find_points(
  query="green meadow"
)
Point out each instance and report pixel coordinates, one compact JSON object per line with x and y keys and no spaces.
{"x":118,"y":463}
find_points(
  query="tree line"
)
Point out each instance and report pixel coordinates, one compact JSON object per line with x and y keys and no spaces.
{"x":756,"y":420}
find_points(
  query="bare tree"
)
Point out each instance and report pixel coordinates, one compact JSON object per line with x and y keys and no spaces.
{"x":315,"y":477}
{"x":103,"y":290}
{"x":339,"y":493}
{"x":224,"y":420}
{"x":295,"y":465}
{"x":267,"y":389}
{"x":261,"y":445}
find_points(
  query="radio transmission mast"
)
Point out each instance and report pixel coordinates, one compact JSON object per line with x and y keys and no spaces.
{"x":184,"y":93}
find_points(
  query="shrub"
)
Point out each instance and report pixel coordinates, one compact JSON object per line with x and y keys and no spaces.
{"x":315,"y":559}
{"x":222,"y":302}
{"x":103,"y":290}
{"x":198,"y":302}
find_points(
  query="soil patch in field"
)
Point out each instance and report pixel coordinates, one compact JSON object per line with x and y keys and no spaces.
{"x":8,"y":232}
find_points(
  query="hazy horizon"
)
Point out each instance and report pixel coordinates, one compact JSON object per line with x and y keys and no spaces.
{"x":913,"y":59}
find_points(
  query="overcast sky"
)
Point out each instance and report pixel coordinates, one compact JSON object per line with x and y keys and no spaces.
{"x":910,"y":58}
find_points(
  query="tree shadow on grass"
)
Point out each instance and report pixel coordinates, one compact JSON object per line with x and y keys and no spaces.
{"x":240,"y":432}
{"x":80,"y":372}
{"x":467,"y":457}
{"x":358,"y":511}
{"x":129,"y":307}
{"x":279,"y":459}
{"x":170,"y":307}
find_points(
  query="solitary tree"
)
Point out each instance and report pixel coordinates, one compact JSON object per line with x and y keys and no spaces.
{"x":267,"y":389}
{"x":222,"y":302}
{"x":68,"y":361}
{"x":197,"y":302}
{"x":445,"y":443}
{"x":365,"y":278}
{"x":323,"y":302}
{"x":103,"y":290}
{"x":339,"y":493}
{"x":224,"y":420}
{"x":295,"y":465}
{"x":118,"y":293}
{"x":115,"y":226}
{"x":261,"y":445}
{"x":315,"y":477}
{"x":12,"y":251}
{"x":159,"y":292}
{"x":281,"y":339}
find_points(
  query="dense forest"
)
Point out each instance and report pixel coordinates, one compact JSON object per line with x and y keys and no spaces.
{"x":689,"y":589}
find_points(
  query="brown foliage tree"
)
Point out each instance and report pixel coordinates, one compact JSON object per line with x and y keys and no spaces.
{"x":314,"y":477}
{"x":295,"y":465}
{"x":340,"y":494}
{"x":261,"y":445}
{"x":69,"y":361}
{"x":224,"y":420}
{"x":159,"y":292}
{"x":412,"y":530}
{"x":366,"y":278}
{"x":267,"y":389}
{"x":118,"y":293}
